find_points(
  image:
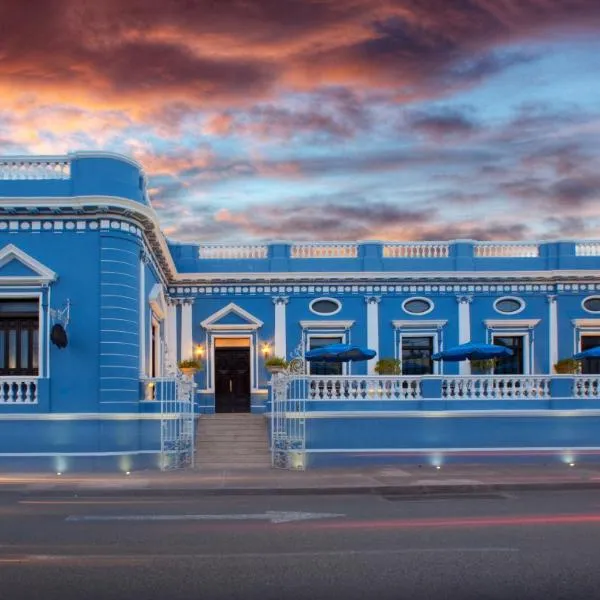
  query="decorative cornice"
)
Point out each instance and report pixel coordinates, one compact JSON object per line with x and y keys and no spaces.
{"x":516,"y":323}
{"x":586,"y":322}
{"x":99,"y":206}
{"x":326,"y":324}
{"x":422,"y":324}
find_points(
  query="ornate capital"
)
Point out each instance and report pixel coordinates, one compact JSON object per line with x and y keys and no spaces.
{"x":279,"y":300}
{"x":551,"y":298}
{"x":464,"y":299}
{"x":372,"y":299}
{"x":186,"y":301}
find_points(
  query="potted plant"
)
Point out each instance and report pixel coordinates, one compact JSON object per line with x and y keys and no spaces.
{"x":190,"y":367}
{"x":388,"y":366}
{"x":276,"y":364}
{"x":484,"y":366}
{"x":567,"y":366}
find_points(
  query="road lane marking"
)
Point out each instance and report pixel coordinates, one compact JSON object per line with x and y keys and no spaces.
{"x":123,"y":558}
{"x":271,"y":515}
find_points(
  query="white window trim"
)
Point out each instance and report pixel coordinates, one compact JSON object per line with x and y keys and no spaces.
{"x":43,"y":330}
{"x":343,"y":337}
{"x":591,"y":312}
{"x":583,"y":327}
{"x":44,"y":275}
{"x":328,"y":299}
{"x":158,"y":356}
{"x":528,"y":344}
{"x":423,"y":299}
{"x":515,"y":299}
{"x":416,"y":328}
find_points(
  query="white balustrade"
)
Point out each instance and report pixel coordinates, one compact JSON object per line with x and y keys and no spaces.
{"x":515,"y":387}
{"x":29,"y":168}
{"x":587,"y":249}
{"x":506,"y":250}
{"x":233,"y":251}
{"x":359,"y":387}
{"x":18,"y":390}
{"x":586,"y":387}
{"x":324,"y":250}
{"x":417,"y":250}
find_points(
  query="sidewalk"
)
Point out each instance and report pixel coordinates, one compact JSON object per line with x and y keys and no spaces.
{"x":408,"y":480}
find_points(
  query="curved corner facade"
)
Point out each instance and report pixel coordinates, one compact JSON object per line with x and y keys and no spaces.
{"x":81,"y":246}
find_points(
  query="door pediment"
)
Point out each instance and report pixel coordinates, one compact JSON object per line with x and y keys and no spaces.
{"x":231,"y":317}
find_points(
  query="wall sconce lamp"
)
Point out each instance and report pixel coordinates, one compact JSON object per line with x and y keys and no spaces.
{"x":266,"y":349}
{"x":199,"y":351}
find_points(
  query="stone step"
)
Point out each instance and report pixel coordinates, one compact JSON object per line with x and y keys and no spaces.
{"x":230,"y":467}
{"x":224,"y":460}
{"x":227,"y":452}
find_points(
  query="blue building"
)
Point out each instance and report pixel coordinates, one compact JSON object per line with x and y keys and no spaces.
{"x":81,"y":247}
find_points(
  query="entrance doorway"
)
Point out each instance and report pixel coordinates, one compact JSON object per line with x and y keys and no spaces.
{"x":232,"y":375}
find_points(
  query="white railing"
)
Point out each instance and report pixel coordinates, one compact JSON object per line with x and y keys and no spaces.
{"x":587,"y":249}
{"x":288,"y":422}
{"x":360,"y":387}
{"x":177,"y":438}
{"x":28,"y":168}
{"x":586,"y":387}
{"x":495,"y":387}
{"x":506,"y":250}
{"x":324,"y":250}
{"x":417,"y":250}
{"x":18,"y":390}
{"x":233,"y":251}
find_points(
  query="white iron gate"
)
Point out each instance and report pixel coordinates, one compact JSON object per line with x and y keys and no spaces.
{"x":176,"y":398}
{"x":288,"y":421}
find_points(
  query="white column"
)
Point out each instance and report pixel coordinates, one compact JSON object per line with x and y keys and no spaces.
{"x":142,"y":310}
{"x":464,"y":329}
{"x":171,"y":333}
{"x":372,"y":330}
{"x":280,"y":326}
{"x":187,"y":343}
{"x":553,"y":342}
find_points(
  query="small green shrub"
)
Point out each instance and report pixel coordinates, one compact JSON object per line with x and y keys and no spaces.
{"x":276,"y":361}
{"x":190,"y":364}
{"x":388,"y":366}
{"x":484,"y":365}
{"x":567,"y":366}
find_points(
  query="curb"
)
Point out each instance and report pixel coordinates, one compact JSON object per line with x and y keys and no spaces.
{"x":408,"y":491}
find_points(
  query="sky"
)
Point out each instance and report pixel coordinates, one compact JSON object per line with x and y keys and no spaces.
{"x":260,"y":120}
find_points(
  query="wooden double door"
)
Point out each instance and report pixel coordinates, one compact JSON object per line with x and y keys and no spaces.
{"x":232,"y":380}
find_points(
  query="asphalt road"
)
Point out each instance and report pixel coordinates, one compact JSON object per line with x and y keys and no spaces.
{"x":527,"y":545}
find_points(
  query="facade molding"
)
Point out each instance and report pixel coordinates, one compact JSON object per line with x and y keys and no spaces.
{"x":512,"y":323}
{"x":211,"y":324}
{"x":421,"y":324}
{"x":329,"y":324}
{"x":43,"y":274}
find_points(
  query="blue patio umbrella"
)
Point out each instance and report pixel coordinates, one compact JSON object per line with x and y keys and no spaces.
{"x":473,"y":351}
{"x":340,"y":353}
{"x":589,"y":353}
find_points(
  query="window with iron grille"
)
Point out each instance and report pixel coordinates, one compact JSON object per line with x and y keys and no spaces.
{"x":19,"y":337}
